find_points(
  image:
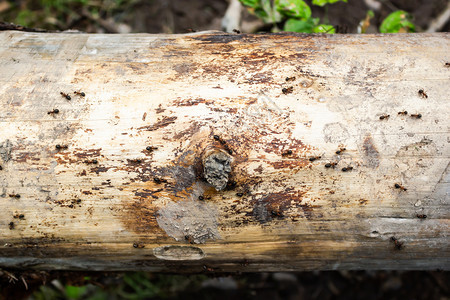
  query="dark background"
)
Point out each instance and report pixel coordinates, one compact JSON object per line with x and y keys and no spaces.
{"x":180,"y":16}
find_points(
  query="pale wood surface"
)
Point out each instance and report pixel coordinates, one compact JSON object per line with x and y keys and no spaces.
{"x":175,"y":92}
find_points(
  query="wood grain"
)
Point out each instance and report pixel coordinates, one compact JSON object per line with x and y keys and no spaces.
{"x":115,"y":180}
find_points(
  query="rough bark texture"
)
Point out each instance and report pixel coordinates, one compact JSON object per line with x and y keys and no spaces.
{"x":334,"y":150}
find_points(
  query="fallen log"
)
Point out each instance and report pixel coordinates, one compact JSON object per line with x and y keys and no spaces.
{"x":224,"y":152}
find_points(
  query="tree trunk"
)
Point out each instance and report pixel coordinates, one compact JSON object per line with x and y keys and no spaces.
{"x":224,"y":152}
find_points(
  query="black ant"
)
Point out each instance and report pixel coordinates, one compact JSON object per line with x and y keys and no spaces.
{"x":422,"y":93}
{"x":59,"y":147}
{"x":82,"y":94}
{"x":403,"y":113}
{"x":287,"y":90}
{"x":340,"y":150}
{"x":382,"y":117}
{"x":239,"y":194}
{"x":189,"y":239}
{"x":206,"y":268}
{"x":151,"y":148}
{"x":219,"y":139}
{"x":201,"y":198}
{"x":159,"y":180}
{"x":223,"y":143}
{"x":398,"y":186}
{"x":135,"y":161}
{"x":288,"y":79}
{"x":65,"y":96}
{"x":94,"y":161}
{"x":286,"y":153}
{"x":17,"y":196}
{"x":53,"y":112}
{"x":276,"y":213}
{"x":11,"y":225}
{"x":314,"y":158}
{"x":236,"y":31}
{"x":1,"y":168}
{"x":347,"y":169}
{"x":330,"y":165}
{"x":138,"y":245}
{"x":397,"y":244}
{"x":417,"y":116}
{"x":421,"y":216}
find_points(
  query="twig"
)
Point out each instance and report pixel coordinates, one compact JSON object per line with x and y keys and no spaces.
{"x":439,"y":22}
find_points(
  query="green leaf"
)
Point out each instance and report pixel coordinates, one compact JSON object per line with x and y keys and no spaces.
{"x":250,"y":3}
{"x":323,"y":28}
{"x":305,"y":26}
{"x":24,"y":17}
{"x":75,"y":292}
{"x":293,"y":8}
{"x":398,"y":21}
{"x":324,"y":2}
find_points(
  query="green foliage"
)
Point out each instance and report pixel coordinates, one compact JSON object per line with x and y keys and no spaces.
{"x":24,"y":17}
{"x":60,"y":14}
{"x":132,"y":286}
{"x":398,"y":21}
{"x":293,"y":8}
{"x":295,"y":13}
{"x":324,"y":28}
{"x":295,"y":25}
{"x":324,"y":2}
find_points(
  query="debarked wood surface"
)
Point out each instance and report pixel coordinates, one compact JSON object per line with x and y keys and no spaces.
{"x":338,"y":148}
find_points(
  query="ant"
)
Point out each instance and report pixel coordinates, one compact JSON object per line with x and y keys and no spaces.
{"x":403,"y":113}
{"x":287,"y":90}
{"x":447,"y":64}
{"x":314,"y":158}
{"x":135,"y":161}
{"x":138,"y":245}
{"x":417,"y":116}
{"x":223,"y":143}
{"x":236,"y":31}
{"x":94,"y":161}
{"x":11,"y":225}
{"x":330,"y":165}
{"x":398,"y":186}
{"x":421,"y":216}
{"x":340,"y":150}
{"x":288,"y":79}
{"x":286,"y":153}
{"x":347,"y":169}
{"x":59,"y":147}
{"x":53,"y":112}
{"x":17,"y":196}
{"x":206,"y":268}
{"x":239,"y":194}
{"x":201,"y":198}
{"x":189,"y":239}
{"x":398,"y":245}
{"x":1,"y":168}
{"x":159,"y":180}
{"x":82,"y":94}
{"x":19,"y":216}
{"x":422,"y":93}
{"x":276,"y":213}
{"x":382,"y":117}
{"x":151,"y":148}
{"x":65,"y":96}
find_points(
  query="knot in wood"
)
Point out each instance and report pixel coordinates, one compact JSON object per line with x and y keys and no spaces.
{"x":216,"y":168}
